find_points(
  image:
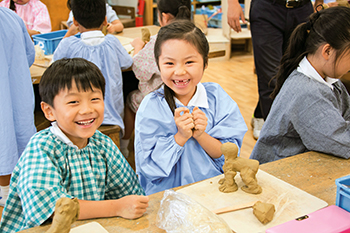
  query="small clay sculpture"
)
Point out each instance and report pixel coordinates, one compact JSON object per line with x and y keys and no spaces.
{"x":66,"y":212}
{"x":233,"y":164}
{"x":146,"y":35}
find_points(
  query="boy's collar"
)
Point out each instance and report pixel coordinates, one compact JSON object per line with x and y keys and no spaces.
{"x":58,"y":133}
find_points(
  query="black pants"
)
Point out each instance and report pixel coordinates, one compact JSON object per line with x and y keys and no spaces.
{"x":271,"y":26}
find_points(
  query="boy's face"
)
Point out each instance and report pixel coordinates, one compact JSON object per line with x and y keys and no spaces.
{"x":77,"y":113}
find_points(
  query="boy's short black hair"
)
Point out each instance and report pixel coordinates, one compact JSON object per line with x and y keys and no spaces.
{"x":60,"y":74}
{"x":89,"y":13}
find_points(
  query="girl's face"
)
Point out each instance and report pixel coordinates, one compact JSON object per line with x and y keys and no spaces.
{"x":333,"y":68}
{"x":181,"y":68}
{"x":77,"y":113}
{"x":21,"y":2}
{"x":343,"y":65}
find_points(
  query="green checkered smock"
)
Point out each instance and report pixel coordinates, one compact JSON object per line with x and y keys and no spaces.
{"x":50,"y":169}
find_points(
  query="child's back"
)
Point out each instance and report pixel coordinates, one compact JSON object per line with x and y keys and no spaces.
{"x":105,"y":51}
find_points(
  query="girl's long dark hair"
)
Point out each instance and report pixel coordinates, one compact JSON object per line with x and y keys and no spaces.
{"x":180,"y":30}
{"x":330,"y":26}
{"x":180,"y":9}
{"x":12,"y":6}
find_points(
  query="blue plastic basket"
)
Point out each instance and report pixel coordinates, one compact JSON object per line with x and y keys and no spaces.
{"x":48,"y":42}
{"x":343,"y":192}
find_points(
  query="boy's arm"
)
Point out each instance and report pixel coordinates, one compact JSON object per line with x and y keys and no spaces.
{"x":129,"y":207}
{"x":115,"y":26}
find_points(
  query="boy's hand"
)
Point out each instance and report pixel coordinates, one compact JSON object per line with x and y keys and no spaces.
{"x":184,"y":125}
{"x":132,"y":206}
{"x":200,"y":122}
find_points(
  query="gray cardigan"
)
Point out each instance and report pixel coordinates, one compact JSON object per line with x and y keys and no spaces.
{"x":306,"y":116}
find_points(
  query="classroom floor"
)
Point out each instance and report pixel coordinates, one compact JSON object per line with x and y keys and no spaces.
{"x":237,"y":78}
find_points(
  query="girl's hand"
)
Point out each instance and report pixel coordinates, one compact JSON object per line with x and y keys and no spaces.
{"x":200,"y":122}
{"x":137,"y":43}
{"x":184,"y":125}
{"x":132,"y":206}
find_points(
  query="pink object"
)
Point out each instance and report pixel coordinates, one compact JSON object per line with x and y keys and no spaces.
{"x":34,"y":14}
{"x":331,"y":219}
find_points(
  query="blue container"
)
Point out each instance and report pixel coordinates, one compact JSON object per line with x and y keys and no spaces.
{"x":343,"y":192}
{"x":48,"y":42}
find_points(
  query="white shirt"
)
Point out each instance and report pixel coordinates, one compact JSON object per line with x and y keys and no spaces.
{"x":306,"y":68}
{"x":58,"y":133}
{"x":199,"y":98}
{"x":92,"y":37}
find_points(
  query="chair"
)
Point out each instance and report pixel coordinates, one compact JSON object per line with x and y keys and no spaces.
{"x":125,"y":11}
{"x":111,"y":131}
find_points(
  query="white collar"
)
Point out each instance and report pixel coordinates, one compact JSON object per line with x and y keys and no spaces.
{"x":58,"y":132}
{"x":95,"y":37}
{"x":306,"y":68}
{"x":199,"y":99}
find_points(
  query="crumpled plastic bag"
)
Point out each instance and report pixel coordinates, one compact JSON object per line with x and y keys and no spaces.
{"x":179,"y":213}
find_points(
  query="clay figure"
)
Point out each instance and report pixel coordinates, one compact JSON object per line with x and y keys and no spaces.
{"x":66,"y":212}
{"x":146,"y":35}
{"x":233,"y":164}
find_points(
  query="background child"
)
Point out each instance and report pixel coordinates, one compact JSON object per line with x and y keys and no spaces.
{"x":114,"y":24}
{"x":33,"y":12}
{"x":145,"y":67}
{"x":72,"y":158}
{"x":180,"y":128}
{"x":311,"y":108}
{"x":16,"y":93}
{"x":104,"y":51}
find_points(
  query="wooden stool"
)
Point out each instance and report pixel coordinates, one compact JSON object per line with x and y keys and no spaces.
{"x":40,"y":121}
{"x":111,"y":131}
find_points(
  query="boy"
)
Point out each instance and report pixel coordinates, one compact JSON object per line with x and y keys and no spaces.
{"x":104,"y":51}
{"x":71,"y":158}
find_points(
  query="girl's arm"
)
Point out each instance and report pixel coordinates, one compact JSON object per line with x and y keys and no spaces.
{"x":129,"y":207}
{"x":156,"y":151}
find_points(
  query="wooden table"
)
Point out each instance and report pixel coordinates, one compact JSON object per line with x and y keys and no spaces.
{"x":128,"y":34}
{"x":312,"y":172}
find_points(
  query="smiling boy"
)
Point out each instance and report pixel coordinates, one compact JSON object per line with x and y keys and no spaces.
{"x":72,"y":158}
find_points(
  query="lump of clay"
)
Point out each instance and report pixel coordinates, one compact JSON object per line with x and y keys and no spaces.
{"x":233,"y":164}
{"x":178,"y":213}
{"x":66,"y":212}
{"x":146,"y":35}
{"x":263,"y":211}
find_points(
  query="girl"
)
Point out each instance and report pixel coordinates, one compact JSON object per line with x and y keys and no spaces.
{"x":145,"y":67}
{"x":311,"y":108}
{"x":181,"y":126}
{"x":34,"y":14}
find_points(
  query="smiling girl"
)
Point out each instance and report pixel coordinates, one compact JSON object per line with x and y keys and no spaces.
{"x":33,"y":12}
{"x":181,"y":126}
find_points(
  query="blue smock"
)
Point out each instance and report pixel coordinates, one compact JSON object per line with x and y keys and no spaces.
{"x":160,"y":162}
{"x":17,"y":54}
